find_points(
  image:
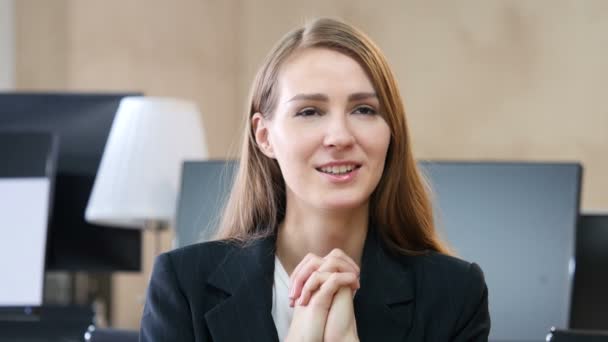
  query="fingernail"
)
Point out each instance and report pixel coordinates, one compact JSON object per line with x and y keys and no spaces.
{"x":291,"y":291}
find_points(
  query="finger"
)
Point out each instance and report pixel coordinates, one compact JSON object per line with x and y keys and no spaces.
{"x":299,"y":278}
{"x":315,"y":281}
{"x":323,"y":297}
{"x":292,"y":275}
{"x":302,"y":262}
{"x":338,"y":253}
{"x":336,"y":264}
{"x":335,"y":261}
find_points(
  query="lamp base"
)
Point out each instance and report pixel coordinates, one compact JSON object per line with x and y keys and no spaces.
{"x":157,"y":227}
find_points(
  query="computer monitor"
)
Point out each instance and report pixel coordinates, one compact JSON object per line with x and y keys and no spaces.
{"x":82,"y":122}
{"x":517,"y":221}
{"x":27,"y":175}
{"x":590,"y":296}
{"x":203,"y":193}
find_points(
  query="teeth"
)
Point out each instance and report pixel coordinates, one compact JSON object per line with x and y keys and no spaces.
{"x":338,"y":169}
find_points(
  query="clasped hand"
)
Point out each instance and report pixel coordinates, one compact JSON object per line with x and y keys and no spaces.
{"x":321,"y":293}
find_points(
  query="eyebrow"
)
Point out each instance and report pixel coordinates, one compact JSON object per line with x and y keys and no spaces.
{"x":325,"y":98}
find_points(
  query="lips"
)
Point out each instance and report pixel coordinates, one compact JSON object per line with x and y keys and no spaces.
{"x":340,"y":168}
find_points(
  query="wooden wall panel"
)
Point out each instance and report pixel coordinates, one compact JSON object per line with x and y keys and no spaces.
{"x":488,"y":80}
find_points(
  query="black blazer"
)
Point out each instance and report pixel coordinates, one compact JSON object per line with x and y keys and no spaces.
{"x":218,"y":291}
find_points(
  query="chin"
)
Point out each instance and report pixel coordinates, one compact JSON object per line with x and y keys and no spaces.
{"x":343,"y":202}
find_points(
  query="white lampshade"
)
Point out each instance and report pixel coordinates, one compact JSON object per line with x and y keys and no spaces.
{"x":138,"y":178}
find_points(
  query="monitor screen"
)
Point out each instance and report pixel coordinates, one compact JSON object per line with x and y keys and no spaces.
{"x":82,"y":123}
{"x":203,"y":193}
{"x":26,"y":180}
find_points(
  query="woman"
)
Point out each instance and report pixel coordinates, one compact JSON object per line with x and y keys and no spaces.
{"x":328,"y":232}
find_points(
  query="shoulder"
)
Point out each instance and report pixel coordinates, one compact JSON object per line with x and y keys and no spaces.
{"x":448,"y":275}
{"x":194,"y":263}
{"x":437,"y":266}
{"x":200,"y":252}
{"x":177,"y":294}
{"x":454,"y":289}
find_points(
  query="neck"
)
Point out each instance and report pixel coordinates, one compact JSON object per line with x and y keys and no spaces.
{"x":306,"y":230}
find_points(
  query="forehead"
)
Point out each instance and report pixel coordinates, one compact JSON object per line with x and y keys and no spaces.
{"x":321,"y":70}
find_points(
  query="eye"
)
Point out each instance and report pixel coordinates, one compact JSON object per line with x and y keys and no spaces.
{"x":365,"y":110}
{"x":308,"y":112}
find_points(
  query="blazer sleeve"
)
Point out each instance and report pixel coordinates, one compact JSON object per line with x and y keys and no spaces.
{"x":166,"y":314}
{"x":474,"y":321}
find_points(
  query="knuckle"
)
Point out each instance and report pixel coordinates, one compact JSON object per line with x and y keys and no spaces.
{"x":311,"y":266}
{"x":316,"y":262}
{"x":334,"y":261}
{"x":305,"y":288}
{"x":312,"y":256}
{"x":297,"y":278}
{"x":336,"y":252}
{"x":334,"y":278}
{"x":312,"y":280}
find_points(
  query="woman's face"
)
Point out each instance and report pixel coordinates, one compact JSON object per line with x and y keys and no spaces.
{"x":326,"y":132}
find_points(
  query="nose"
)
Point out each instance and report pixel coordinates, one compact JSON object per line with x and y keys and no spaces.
{"x":338,"y":134}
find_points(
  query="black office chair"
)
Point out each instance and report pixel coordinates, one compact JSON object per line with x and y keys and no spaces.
{"x":556,"y":335}
{"x":94,"y":334}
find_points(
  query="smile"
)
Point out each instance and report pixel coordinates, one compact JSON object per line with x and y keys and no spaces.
{"x":338,"y":169}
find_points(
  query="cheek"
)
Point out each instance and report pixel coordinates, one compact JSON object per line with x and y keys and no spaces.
{"x":293,"y":146}
{"x":375,"y":140}
{"x":384,"y":138}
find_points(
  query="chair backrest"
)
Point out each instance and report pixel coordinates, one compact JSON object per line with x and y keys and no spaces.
{"x":110,"y":335}
{"x":590,"y":295}
{"x":556,"y":335}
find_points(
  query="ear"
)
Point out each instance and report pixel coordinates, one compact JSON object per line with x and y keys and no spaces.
{"x":260,"y":131}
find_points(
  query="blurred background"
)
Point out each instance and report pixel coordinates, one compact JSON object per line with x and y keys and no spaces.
{"x":481,"y":80}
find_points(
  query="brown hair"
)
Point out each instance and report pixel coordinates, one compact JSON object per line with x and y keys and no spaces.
{"x":400,"y":207}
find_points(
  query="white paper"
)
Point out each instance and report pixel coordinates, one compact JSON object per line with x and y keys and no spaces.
{"x":24,"y":205}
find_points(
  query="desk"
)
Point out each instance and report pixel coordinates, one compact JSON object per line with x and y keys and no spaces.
{"x":48,"y":323}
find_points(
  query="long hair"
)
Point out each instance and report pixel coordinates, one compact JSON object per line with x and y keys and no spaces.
{"x":400,"y":207}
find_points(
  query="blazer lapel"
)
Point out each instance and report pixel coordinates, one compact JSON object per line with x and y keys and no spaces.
{"x":384,"y":305}
{"x":246,"y":275}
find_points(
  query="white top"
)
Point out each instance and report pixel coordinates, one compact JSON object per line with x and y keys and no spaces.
{"x":282,"y":313}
